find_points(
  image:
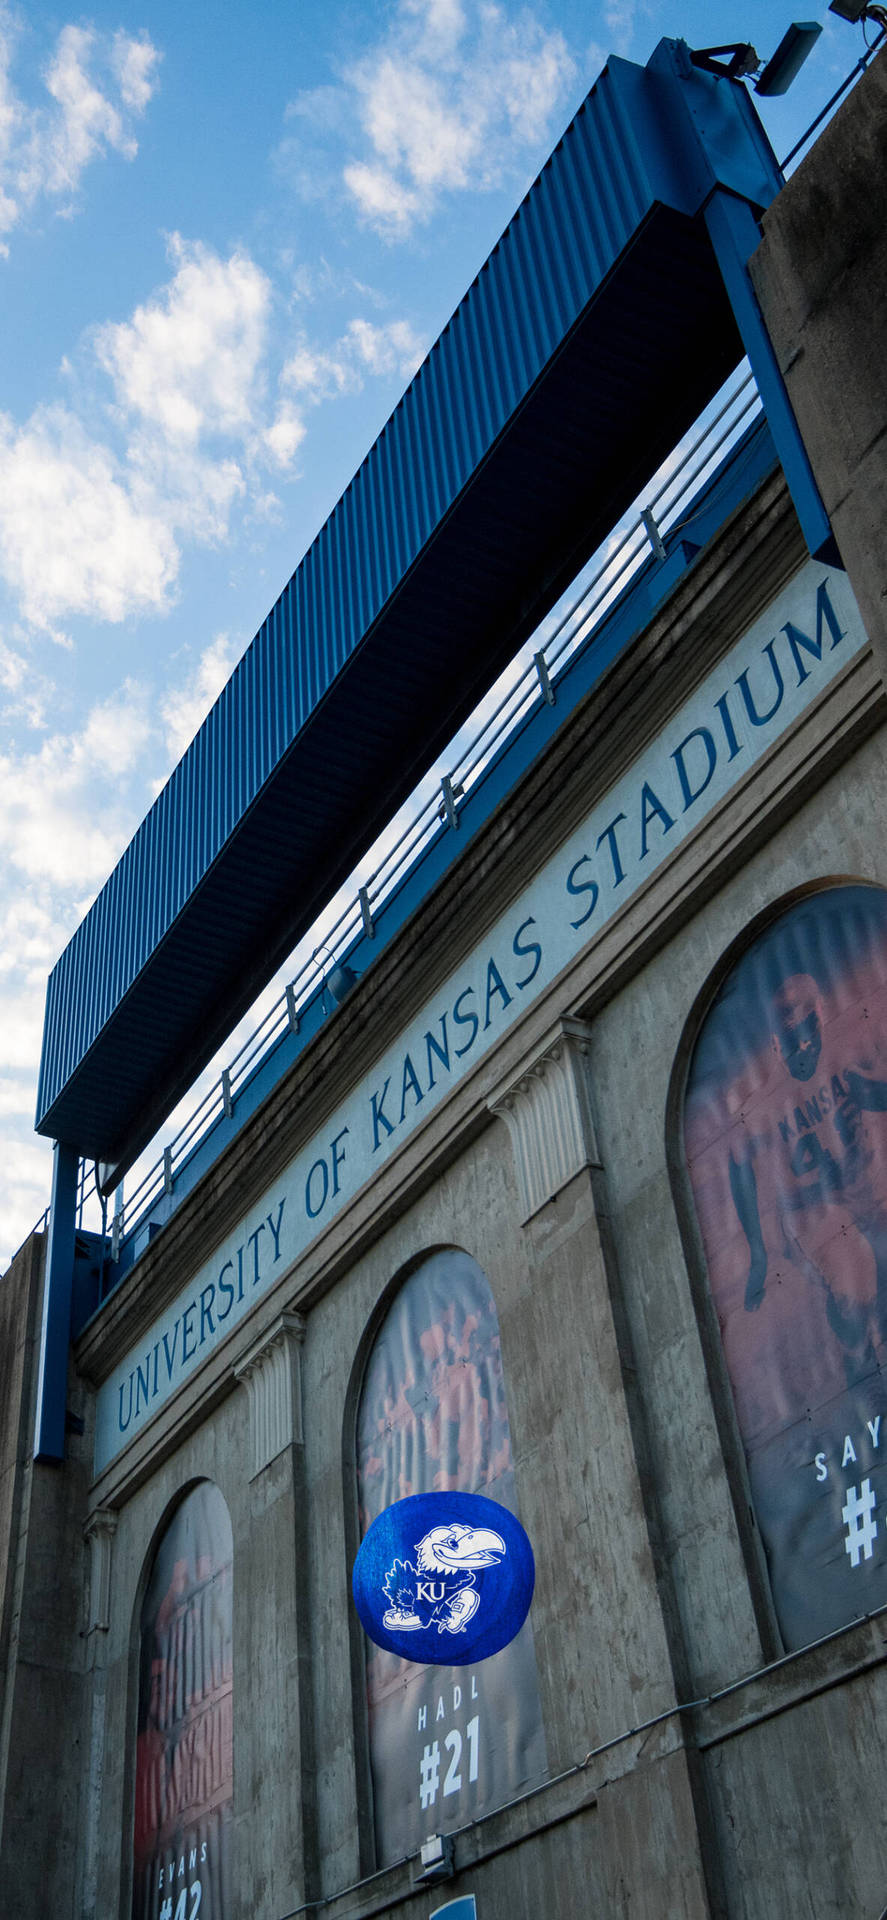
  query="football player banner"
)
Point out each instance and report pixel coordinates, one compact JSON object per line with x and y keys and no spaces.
{"x":184,"y":1772}
{"x":786,"y":1145}
{"x":454,"y":1739}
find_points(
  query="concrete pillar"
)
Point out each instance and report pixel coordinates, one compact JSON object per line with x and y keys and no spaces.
{"x":271,"y":1373}
{"x":605,"y":1631}
{"x":547,"y":1111}
{"x":819,"y":275}
{"x":98,"y":1534}
{"x":606,"y":1599}
{"x":42,"y":1681}
{"x":274,"y":1741}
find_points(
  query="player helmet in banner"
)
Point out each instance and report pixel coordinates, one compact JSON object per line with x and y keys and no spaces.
{"x":444,"y":1578}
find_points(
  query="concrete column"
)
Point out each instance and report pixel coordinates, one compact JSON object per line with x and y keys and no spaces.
{"x":819,"y":275}
{"x":547,"y":1111}
{"x":99,"y":1535}
{"x":587,"y":1410}
{"x":271,"y":1373}
{"x":274,"y":1740}
{"x":604,"y":1627}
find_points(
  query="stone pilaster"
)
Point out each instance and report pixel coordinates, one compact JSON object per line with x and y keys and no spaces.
{"x":271,"y":1373}
{"x":275,"y":1844}
{"x":547,"y":1110}
{"x":98,"y":1533}
{"x":594,"y":1485}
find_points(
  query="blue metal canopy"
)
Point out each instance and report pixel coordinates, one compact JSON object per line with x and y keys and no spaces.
{"x":593,"y":336}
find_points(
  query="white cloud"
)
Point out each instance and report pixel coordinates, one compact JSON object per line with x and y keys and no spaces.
{"x":93,"y":519}
{"x":620,"y":18}
{"x":94,"y":87}
{"x":134,"y":63}
{"x":394,"y":348}
{"x":188,"y":360}
{"x":450,"y":99}
{"x":387,"y":203}
{"x":27,"y":691}
{"x":192,"y":493}
{"x":285,"y":435}
{"x":92,"y":525}
{"x":62,"y":819}
{"x":86,"y":119}
{"x":16,"y":1093}
{"x":27,"y":1169}
{"x":313,"y":374}
{"x":72,"y":537}
{"x":30,"y":935}
{"x":186,"y":707}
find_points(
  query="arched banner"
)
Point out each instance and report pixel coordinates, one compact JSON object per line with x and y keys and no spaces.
{"x":448,"y":1742}
{"x":184,"y":1769}
{"x":786,"y":1143}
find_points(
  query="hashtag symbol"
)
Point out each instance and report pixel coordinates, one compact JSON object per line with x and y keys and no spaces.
{"x":859,"y":1508}
{"x":429,"y":1776}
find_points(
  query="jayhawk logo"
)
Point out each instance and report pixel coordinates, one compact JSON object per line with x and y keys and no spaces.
{"x":440,"y":1589}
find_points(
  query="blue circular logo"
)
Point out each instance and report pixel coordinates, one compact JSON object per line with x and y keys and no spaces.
{"x":444,"y":1578}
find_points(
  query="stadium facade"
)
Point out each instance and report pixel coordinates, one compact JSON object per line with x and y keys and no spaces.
{"x":573,"y":1194}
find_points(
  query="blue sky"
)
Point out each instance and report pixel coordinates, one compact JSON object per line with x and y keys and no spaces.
{"x":228,"y":235}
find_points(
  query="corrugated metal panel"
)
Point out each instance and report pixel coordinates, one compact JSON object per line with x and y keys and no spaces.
{"x":593,"y":334}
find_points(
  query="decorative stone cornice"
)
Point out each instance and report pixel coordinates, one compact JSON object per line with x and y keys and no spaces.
{"x":271,"y":1374}
{"x":98,"y":1533}
{"x":547,"y":1110}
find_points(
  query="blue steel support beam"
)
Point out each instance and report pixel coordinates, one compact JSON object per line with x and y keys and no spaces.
{"x":52,"y":1388}
{"x":735,"y":235}
{"x":594,"y":335}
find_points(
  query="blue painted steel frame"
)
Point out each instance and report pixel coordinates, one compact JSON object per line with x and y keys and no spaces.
{"x":663,"y":137}
{"x":741,"y":472}
{"x":590,"y":340}
{"x":735,"y":235}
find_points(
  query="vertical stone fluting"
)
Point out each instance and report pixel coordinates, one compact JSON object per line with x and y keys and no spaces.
{"x":271,"y":1374}
{"x":547,"y":1111}
{"x":98,"y":1533}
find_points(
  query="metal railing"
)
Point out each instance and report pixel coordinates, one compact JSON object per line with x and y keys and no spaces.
{"x":434,"y":806}
{"x":432,"y":810}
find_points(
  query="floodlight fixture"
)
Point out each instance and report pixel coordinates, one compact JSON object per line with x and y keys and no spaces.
{"x":739,"y":61}
{"x":339,"y":982}
{"x":858,"y":12}
{"x":436,"y":1857}
{"x":340,"y":979}
{"x":787,"y":61}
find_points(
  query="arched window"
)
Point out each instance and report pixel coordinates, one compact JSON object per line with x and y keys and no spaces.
{"x":446,"y":1743}
{"x":184,"y":1774}
{"x":786,"y":1144}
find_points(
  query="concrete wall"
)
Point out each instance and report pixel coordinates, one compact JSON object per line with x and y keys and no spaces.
{"x":819,"y":275}
{"x":692,"y":1770}
{"x":651,"y":1593}
{"x":42,"y":1514}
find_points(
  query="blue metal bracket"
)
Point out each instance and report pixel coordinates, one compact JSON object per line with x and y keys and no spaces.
{"x":735,"y":235}
{"x":52,"y":1388}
